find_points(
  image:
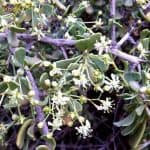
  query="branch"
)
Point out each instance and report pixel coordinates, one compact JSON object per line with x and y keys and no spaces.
{"x":125,"y":56}
{"x":40,"y":115}
{"x":113,"y":13}
{"x":68,"y":42}
{"x":46,"y":39}
{"x":124,"y":38}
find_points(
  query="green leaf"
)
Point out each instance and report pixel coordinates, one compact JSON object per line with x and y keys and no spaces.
{"x":47,"y":9}
{"x":127,"y":96}
{"x":133,"y":79}
{"x":16,"y":29}
{"x":20,"y":55}
{"x":30,"y":132}
{"x":126,"y":121}
{"x":98,"y":62}
{"x":133,"y":127}
{"x":139,"y":110}
{"x":132,"y":76}
{"x":21,"y":134}
{"x":51,"y":141}
{"x":65,"y":63}
{"x":88,"y":43}
{"x":145,"y":33}
{"x":137,"y":137}
{"x":146,"y":43}
{"x":24,"y":85}
{"x":42,"y":147}
{"x":32,"y":61}
{"x":13,"y":85}
{"x":75,"y":106}
{"x":3,"y":87}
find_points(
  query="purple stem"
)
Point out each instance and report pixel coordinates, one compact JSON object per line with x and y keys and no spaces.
{"x":124,"y":38}
{"x":64,"y":53}
{"x":40,"y":115}
{"x":113,"y":13}
{"x":62,"y":42}
{"x":125,"y":56}
{"x":46,"y":39}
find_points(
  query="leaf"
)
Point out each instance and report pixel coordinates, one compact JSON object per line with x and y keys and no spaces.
{"x":32,"y":60}
{"x":51,"y":141}
{"x":42,"y":147}
{"x":133,"y":79}
{"x":137,"y":137}
{"x":12,"y":39}
{"x":145,"y":33}
{"x":88,"y":43}
{"x":132,"y":128}
{"x":98,"y":62}
{"x":126,"y":121}
{"x":127,"y":96}
{"x":30,"y":132}
{"x":24,"y":85}
{"x":16,"y":29}
{"x":132,"y":76}
{"x":20,"y":55}
{"x":21,"y":134}
{"x":3,"y":87}
{"x":139,"y":110}
{"x":146,"y":43}
{"x":47,"y":9}
{"x":75,"y":106}
{"x":13,"y":85}
{"x":65,"y":63}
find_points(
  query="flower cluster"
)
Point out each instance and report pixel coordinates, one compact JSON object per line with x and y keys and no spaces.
{"x":84,"y":130}
{"x":102,"y":45}
{"x":113,"y":83}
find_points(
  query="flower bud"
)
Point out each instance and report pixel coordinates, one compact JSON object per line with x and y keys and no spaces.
{"x":20,"y":72}
{"x":81,"y":119}
{"x":47,"y":82}
{"x":31,"y":93}
{"x":46,"y":63}
{"x":40,"y":125}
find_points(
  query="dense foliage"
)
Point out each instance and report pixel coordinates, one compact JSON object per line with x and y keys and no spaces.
{"x":74,"y":74}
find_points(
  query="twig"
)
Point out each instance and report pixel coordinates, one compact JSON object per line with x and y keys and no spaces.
{"x":64,"y":53}
{"x":113,"y":13}
{"x":125,"y":56}
{"x":124,"y":38}
{"x":68,"y":42}
{"x":59,"y":5}
{"x":40,"y":115}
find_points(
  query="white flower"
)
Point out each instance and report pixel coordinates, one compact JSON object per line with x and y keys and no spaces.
{"x":59,"y":99}
{"x":56,"y":124}
{"x":82,"y":81}
{"x":85,"y":3}
{"x":106,"y":105}
{"x":113,"y":83}
{"x":98,"y":24}
{"x":102,"y":45}
{"x":85,"y":130}
{"x":98,"y":47}
{"x":55,"y":71}
{"x":70,"y":19}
